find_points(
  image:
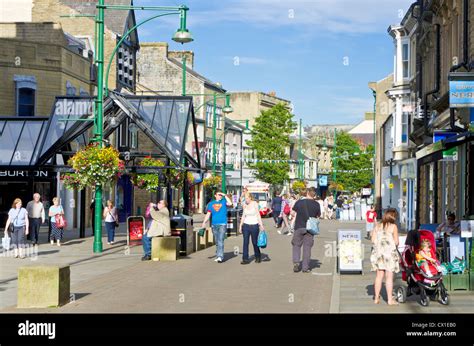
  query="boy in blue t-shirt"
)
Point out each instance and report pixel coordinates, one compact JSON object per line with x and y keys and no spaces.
{"x":218,"y":209}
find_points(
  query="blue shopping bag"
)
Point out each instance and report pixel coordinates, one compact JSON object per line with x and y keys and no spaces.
{"x":262,"y":239}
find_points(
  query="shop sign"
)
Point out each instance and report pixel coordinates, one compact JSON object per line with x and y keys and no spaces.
{"x":450,"y":154}
{"x":323,"y":180}
{"x":366,"y":192}
{"x":461,"y":93}
{"x":350,"y":250}
{"x":42,"y":174}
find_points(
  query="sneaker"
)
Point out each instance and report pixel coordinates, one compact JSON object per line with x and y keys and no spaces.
{"x":111,"y":242}
{"x":52,"y":242}
{"x":108,"y":243}
{"x":307,"y":271}
{"x":219,"y":260}
{"x":279,"y":232}
{"x":58,"y":243}
{"x":289,"y":234}
{"x":296,"y":267}
{"x":244,"y":262}
{"x":258,"y":259}
{"x":146,"y":258}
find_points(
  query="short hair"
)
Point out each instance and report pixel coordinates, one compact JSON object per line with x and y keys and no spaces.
{"x":110,"y":202}
{"x":451,"y":216}
{"x":55,"y":199}
{"x":165,"y":203}
{"x":16,"y":201}
{"x":36,"y":194}
{"x":311,"y":192}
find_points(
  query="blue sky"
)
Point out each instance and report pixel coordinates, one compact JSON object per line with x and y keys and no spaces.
{"x":319,"y":54}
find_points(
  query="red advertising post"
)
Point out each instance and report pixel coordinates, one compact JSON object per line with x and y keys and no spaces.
{"x":135,"y":229}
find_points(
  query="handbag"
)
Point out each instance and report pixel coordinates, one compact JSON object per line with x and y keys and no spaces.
{"x":287,"y":209}
{"x":61,"y":220}
{"x":113,"y":218}
{"x":262,"y":240}
{"x":202,"y":232}
{"x":312,"y":224}
{"x":6,"y":242}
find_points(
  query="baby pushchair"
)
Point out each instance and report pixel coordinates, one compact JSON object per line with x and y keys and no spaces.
{"x":418,"y":282}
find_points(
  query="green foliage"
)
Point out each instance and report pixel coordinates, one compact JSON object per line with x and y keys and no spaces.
{"x":270,"y":139}
{"x":212,"y":184}
{"x":347,"y":161}
{"x":298,"y":187}
{"x":148,"y":181}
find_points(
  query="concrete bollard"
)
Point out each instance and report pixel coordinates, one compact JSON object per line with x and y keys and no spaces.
{"x":43,"y":286}
{"x":165,"y":248}
{"x":210,"y":237}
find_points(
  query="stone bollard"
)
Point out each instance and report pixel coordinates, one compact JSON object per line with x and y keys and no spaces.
{"x":165,"y":248}
{"x":43,"y":286}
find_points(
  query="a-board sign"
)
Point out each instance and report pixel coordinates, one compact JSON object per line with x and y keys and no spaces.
{"x":349,"y":250}
{"x":135,"y":229}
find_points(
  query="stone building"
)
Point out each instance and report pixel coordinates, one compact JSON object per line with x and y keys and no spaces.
{"x":155,"y":59}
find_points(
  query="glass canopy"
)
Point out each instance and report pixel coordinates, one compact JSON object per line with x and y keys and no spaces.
{"x":35,"y":141}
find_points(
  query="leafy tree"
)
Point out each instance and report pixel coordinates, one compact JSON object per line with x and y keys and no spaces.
{"x":270,"y":139}
{"x":359,"y":165}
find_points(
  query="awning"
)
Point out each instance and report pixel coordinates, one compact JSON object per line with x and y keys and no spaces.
{"x":34,"y":142}
{"x":445,"y":144}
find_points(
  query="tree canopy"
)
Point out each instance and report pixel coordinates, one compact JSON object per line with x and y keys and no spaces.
{"x":270,"y":140}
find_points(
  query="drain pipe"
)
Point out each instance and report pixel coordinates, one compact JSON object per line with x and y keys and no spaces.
{"x":419,"y":60}
{"x":438,"y":78}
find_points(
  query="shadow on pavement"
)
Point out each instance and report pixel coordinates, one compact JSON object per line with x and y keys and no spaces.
{"x":314,"y":263}
{"x":72,"y":242}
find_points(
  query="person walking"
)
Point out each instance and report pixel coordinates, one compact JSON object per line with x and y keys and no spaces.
{"x":36,"y":217}
{"x":321,"y":205}
{"x":56,"y":232}
{"x":18,"y":217}
{"x":276,"y":209}
{"x":285,"y":213}
{"x":371,"y":219}
{"x":160,"y":226}
{"x":250,"y":225}
{"x":217,"y":208}
{"x":304,"y":209}
{"x":111,"y":221}
{"x":384,"y":257}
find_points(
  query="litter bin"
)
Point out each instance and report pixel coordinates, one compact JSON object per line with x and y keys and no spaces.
{"x":233,"y":220}
{"x":182,"y":226}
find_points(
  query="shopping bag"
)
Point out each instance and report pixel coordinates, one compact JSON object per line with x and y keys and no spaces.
{"x":61,"y":221}
{"x":6,"y":243}
{"x":312,"y":226}
{"x":262,"y":240}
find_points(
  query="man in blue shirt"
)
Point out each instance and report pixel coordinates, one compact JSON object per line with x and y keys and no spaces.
{"x":218,"y":209}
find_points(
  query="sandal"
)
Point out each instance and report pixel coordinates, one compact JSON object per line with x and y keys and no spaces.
{"x":393,"y":302}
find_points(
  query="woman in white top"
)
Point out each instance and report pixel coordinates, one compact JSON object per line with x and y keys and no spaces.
{"x":111,"y":221}
{"x":250,"y":226}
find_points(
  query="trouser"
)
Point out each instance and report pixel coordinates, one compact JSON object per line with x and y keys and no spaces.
{"x":276,"y":217}
{"x":18,"y":237}
{"x":219,"y":233}
{"x":110,"y":227}
{"x":250,"y":231}
{"x":33,"y":229}
{"x":302,"y":238}
{"x":146,"y":242}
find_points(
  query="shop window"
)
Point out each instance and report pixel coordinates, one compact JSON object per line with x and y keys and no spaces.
{"x":405,"y":127}
{"x":405,"y":60}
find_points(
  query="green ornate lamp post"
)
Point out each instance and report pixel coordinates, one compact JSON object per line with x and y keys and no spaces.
{"x":182,"y":35}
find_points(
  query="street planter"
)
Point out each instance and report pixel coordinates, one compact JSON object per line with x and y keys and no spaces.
{"x":447,"y":281}
{"x":460,"y":281}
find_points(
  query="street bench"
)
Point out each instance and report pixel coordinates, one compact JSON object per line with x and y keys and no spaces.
{"x":43,"y":286}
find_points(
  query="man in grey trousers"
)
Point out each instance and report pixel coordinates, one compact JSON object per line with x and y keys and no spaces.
{"x":302,"y":210}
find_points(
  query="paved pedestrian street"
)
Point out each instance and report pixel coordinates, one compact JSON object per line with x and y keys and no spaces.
{"x":115,"y":281}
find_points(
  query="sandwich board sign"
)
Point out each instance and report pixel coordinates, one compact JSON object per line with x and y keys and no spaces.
{"x":349,"y":251}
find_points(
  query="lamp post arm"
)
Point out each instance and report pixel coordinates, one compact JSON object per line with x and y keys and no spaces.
{"x":123,"y":39}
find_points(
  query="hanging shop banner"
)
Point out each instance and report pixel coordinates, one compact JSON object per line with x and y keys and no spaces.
{"x":350,"y":251}
{"x":323,"y":180}
{"x":461,"y":93}
{"x":135,"y":229}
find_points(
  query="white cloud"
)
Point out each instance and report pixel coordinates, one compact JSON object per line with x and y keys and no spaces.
{"x":333,"y":16}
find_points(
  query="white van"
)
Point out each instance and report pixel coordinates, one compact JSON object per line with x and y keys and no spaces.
{"x":261,"y":194}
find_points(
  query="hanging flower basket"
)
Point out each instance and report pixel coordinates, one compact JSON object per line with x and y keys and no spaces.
{"x":93,"y":166}
{"x":213,"y":184}
{"x":148,"y":181}
{"x":298,"y":186}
